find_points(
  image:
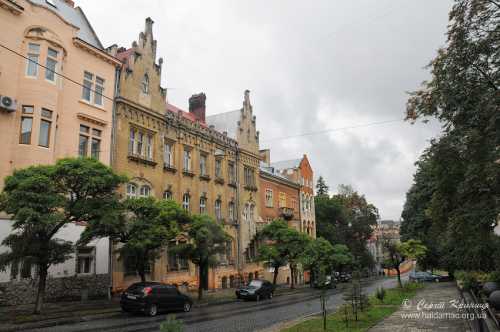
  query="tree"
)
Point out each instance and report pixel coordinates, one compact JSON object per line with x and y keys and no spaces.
{"x":463,"y":95}
{"x":321,"y":187}
{"x":284,"y":245}
{"x":143,"y":228}
{"x":397,"y":252}
{"x":43,"y":200}
{"x":347,"y":218}
{"x":207,"y":240}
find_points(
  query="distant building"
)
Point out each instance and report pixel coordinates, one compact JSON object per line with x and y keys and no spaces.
{"x":385,"y":230}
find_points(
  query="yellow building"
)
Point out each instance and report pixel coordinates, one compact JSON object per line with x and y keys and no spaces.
{"x":169,"y":153}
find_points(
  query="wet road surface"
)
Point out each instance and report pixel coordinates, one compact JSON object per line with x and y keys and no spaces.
{"x":236,"y":316}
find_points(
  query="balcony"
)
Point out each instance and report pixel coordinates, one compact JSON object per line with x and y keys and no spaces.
{"x":286,"y":213}
{"x":205,"y":177}
{"x":187,"y":172}
{"x":219,"y":180}
{"x":169,"y":168}
{"x":141,"y":159}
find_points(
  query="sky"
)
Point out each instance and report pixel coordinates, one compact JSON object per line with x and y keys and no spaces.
{"x":311,"y":66}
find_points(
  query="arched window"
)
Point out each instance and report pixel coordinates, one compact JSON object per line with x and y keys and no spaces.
{"x":203,"y":205}
{"x":145,"y":191}
{"x":185,"y":201}
{"x":131,"y":190}
{"x":218,"y":210}
{"x":230,"y":211}
{"x":167,"y":194}
{"x":145,"y":84}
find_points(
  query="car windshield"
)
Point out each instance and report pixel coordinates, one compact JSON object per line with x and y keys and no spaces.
{"x":255,"y":283}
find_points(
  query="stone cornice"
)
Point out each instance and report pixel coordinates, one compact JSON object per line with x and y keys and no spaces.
{"x":96,"y":52}
{"x":11,"y":6}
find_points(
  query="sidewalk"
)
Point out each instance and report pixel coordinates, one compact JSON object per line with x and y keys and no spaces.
{"x":430,"y":310}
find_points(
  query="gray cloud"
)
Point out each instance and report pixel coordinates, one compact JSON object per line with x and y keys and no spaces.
{"x":310,"y":66}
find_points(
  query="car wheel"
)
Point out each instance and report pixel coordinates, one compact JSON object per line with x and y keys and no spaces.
{"x":270,"y":295}
{"x":187,"y":307}
{"x":152,"y":310}
{"x":257,"y":297}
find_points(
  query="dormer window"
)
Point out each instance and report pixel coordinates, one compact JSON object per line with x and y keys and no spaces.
{"x":145,"y":84}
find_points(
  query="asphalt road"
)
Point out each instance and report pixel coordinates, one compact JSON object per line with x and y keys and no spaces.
{"x":237,"y":316}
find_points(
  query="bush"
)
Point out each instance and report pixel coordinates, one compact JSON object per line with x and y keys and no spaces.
{"x":380,"y":294}
{"x":171,"y":324}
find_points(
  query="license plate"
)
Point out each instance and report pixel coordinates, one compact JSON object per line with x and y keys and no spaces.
{"x":132,"y":297}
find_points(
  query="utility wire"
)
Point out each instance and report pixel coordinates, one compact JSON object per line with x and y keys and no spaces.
{"x":58,"y":74}
{"x":332,"y":130}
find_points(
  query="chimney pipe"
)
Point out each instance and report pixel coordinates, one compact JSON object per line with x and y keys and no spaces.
{"x":197,"y":106}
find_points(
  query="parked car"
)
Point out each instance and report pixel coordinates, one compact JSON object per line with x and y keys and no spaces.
{"x":345,"y":277}
{"x":421,"y":276}
{"x":153,"y":297}
{"x":256,"y":290}
{"x":329,"y":282}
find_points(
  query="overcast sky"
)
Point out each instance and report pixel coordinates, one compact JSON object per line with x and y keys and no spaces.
{"x":310,"y":66}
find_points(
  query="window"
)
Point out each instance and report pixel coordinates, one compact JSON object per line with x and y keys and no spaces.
{"x":93,"y":136}
{"x":249,"y":177}
{"x":26,"y":125}
{"x":140,"y":143}
{"x":85,"y":260}
{"x":203,"y":164}
{"x":176,"y":261}
{"x":20,"y":269}
{"x":168,"y":154}
{"x":218,"y":168}
{"x":149,"y":147}
{"x":51,"y":65}
{"x":131,"y":141}
{"x":131,"y":190}
{"x":230,"y":211}
{"x":130,"y":264}
{"x":88,"y":83}
{"x":88,"y":79}
{"x":231,"y":170}
{"x":32,"y":62}
{"x":218,"y":210}
{"x":145,"y":191}
{"x":269,"y":197}
{"x":167,"y":194}
{"x":145,"y":84}
{"x":185,"y":202}
{"x":203,"y":205}
{"x":187,"y":160}
{"x":44,"y":134}
{"x":282,"y":199}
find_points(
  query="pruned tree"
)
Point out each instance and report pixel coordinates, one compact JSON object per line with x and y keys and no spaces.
{"x":398,"y":252}
{"x":44,"y":199}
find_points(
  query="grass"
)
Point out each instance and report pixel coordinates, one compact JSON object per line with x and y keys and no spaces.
{"x":377,"y":311}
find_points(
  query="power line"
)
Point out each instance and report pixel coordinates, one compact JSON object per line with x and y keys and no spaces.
{"x":58,"y":74}
{"x":333,"y":129}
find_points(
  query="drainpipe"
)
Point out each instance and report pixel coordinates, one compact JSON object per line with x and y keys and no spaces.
{"x":112,"y":162}
{"x":238,"y":226}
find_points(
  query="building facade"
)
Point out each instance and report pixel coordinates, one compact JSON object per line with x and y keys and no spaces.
{"x":300,"y":171}
{"x":45,"y":116}
{"x":169,"y":153}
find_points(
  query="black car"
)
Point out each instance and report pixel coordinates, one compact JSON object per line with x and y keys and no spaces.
{"x":328,"y":282}
{"x":152,"y":297}
{"x":419,"y":276}
{"x":256,"y":290}
{"x":345,"y":277}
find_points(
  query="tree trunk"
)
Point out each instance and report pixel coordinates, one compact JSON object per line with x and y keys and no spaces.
{"x":42,"y":279}
{"x":200,"y":282}
{"x":399,"y":277}
{"x":292,"y":275}
{"x":311,"y":278}
{"x":275,"y":277}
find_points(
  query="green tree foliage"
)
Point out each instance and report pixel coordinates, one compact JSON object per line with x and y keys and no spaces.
{"x":207,"y":240}
{"x":321,"y":187}
{"x":347,"y":218}
{"x":457,"y":183}
{"x":283,"y":245}
{"x":398,"y":252}
{"x":43,"y":200}
{"x":143,"y":227}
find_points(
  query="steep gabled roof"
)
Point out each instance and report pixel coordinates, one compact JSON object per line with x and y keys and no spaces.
{"x":286,"y":164}
{"x":76,"y":17}
{"x":225,"y":122}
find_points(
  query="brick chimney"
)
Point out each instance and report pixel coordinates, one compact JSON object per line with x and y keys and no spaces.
{"x":197,"y":106}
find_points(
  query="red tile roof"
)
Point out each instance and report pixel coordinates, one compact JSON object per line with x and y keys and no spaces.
{"x":189,"y":116}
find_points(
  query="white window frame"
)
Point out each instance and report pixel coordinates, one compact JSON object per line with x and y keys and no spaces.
{"x":32,"y":54}
{"x":186,"y":200}
{"x":48,"y":70}
{"x":203,"y":205}
{"x":145,"y":191}
{"x":131,"y":190}
{"x":167,"y":194}
{"x":269,"y":198}
{"x":218,"y":209}
{"x":168,"y":154}
{"x":91,"y":256}
{"x":187,"y":160}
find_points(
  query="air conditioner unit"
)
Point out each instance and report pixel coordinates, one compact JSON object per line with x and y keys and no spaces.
{"x":8,"y":104}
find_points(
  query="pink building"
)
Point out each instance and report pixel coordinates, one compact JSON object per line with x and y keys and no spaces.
{"x":45,"y":116}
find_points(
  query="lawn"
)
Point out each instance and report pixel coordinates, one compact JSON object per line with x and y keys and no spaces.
{"x":366,"y":319}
